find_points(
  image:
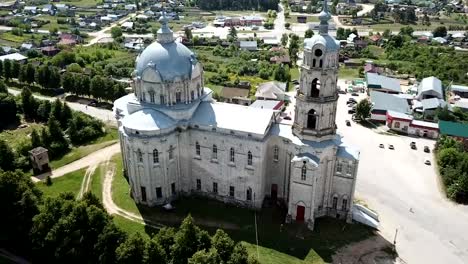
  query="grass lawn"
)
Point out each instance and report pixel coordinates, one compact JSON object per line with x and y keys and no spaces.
{"x":77,"y":153}
{"x":348,"y":73}
{"x":292,"y":19}
{"x":97,"y":180}
{"x":81,"y":3}
{"x":129,"y":226}
{"x":295,"y":73}
{"x":295,"y":244}
{"x":8,"y":36}
{"x":70,"y":182}
{"x":15,"y":137}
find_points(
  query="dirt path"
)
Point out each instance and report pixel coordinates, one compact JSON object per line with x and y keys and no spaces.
{"x":112,"y":208}
{"x":88,"y":161}
{"x":86,"y":180}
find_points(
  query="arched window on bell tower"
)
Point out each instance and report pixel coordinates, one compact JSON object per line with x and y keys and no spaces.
{"x":315,"y":88}
{"x":314,"y":61}
{"x":321,"y":63}
{"x":311,"y":119}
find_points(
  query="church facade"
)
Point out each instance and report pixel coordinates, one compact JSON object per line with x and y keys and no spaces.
{"x":176,"y":140}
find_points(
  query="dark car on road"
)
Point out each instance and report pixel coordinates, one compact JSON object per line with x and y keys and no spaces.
{"x":413,"y":145}
{"x":426,"y":149}
{"x":351,"y":111}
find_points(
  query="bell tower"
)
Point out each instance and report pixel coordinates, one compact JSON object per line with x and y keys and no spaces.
{"x":317,"y":96}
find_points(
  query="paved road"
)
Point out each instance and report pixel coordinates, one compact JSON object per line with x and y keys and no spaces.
{"x":104,"y":115}
{"x":393,"y":181}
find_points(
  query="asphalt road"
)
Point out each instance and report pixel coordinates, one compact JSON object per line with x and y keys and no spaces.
{"x":396,"y":182}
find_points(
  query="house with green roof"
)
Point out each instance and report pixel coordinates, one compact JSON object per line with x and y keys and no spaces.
{"x":454,"y":129}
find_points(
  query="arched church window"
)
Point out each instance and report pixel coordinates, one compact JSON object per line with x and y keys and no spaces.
{"x":197,"y":148}
{"x":178,"y":96}
{"x":192,"y":95}
{"x":155,"y":156}
{"x":214,"y":154}
{"x":314,"y":61}
{"x":231,"y":155}
{"x":249,"y":158}
{"x":318,"y":52}
{"x":144,"y":96}
{"x":161,"y":99}
{"x":151,"y":97}
{"x":249,"y":194}
{"x":198,"y":90}
{"x":321,"y":64}
{"x":139,"y":156}
{"x":303,"y":172}
{"x":315,"y":88}
{"x":335,"y":202}
{"x":311,"y":119}
{"x":344,"y":205}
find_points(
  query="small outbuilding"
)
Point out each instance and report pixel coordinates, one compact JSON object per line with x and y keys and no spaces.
{"x":39,"y":158}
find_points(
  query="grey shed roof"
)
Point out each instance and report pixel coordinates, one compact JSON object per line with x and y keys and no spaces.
{"x":248,"y":44}
{"x":433,"y":103}
{"x":384,"y":101}
{"x":459,"y":88}
{"x":379,"y":81}
{"x":431,"y":85}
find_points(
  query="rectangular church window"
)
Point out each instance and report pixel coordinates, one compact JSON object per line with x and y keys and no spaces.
{"x":198,"y":184}
{"x":215,"y":187}
{"x":231,"y":191}
{"x":143,"y":194}
{"x":158,"y":192}
{"x":173,"y":190}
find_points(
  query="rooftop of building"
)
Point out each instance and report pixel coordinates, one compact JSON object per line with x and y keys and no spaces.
{"x":453,"y":129}
{"x":382,"y":82}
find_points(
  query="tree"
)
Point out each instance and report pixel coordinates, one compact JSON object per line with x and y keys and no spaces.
{"x":74,"y":67}
{"x":7,"y":156}
{"x":205,"y":257}
{"x":287,"y":25}
{"x":440,"y":31}
{"x":8,"y":109}
{"x":340,"y":33}
{"x":156,"y":253}
{"x":165,"y":238}
{"x":68,"y":82}
{"x":387,"y":33}
{"x":188,"y":240}
{"x":309,"y":33}
{"x":232,"y":33}
{"x":58,"y":143}
{"x":20,"y":198}
{"x":43,"y":110}
{"x":223,"y":244}
{"x":7,"y":69}
{"x":3,"y":87}
{"x":116,"y":32}
{"x":293,"y":47}
{"x":241,"y":256}
{"x":42,"y":75}
{"x":363,"y":109}
{"x":15,"y":69}
{"x":96,"y":87}
{"x":65,"y":116}
{"x":28,"y":103}
{"x":56,"y":109}
{"x":284,"y":39}
{"x":188,"y":33}
{"x":406,"y":31}
{"x":132,"y":250}
{"x":22,"y":74}
{"x":35,"y":139}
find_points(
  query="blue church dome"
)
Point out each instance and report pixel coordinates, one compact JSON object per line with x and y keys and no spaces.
{"x":171,"y":60}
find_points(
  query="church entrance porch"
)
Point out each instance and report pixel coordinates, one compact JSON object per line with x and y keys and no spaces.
{"x":300,"y":211}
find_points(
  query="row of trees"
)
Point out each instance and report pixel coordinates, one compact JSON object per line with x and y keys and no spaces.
{"x":453,"y":165}
{"x":64,"y":230}
{"x":64,"y":128}
{"x":99,"y":87}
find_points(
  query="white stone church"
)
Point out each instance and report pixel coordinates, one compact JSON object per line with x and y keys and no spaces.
{"x":176,"y":140}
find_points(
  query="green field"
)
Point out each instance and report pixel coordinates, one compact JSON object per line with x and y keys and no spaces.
{"x":70,"y":182}
{"x":348,"y":72}
{"x":292,"y":19}
{"x":82,"y":3}
{"x":17,"y":40}
{"x":19,"y":135}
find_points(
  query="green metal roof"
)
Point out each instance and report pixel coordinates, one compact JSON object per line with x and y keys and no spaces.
{"x":453,"y":129}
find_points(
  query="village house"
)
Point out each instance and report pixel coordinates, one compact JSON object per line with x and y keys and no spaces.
{"x":271,"y":91}
{"x":456,"y":130}
{"x":382,"y":83}
{"x":383,"y":102}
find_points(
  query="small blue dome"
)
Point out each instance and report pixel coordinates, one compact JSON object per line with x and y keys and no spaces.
{"x":171,"y":60}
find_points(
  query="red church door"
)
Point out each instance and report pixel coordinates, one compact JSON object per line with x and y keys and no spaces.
{"x":300,"y":213}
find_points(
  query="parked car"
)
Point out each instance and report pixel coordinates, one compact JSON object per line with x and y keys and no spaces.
{"x":426,"y":149}
{"x":381,"y":146}
{"x":348,"y":123}
{"x":287,"y":118}
{"x":341,"y":92}
{"x":351,"y":111}
{"x":351,"y":100}
{"x":295,"y":81}
{"x":413,"y":145}
{"x":354,"y":94}
{"x":427,"y":162}
{"x":390,"y":146}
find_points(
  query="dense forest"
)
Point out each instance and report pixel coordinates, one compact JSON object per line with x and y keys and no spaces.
{"x":259,"y":5}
